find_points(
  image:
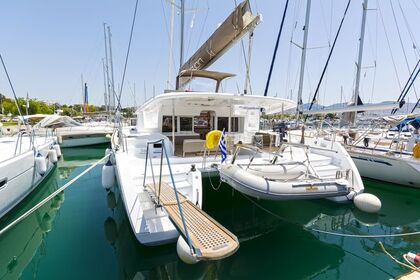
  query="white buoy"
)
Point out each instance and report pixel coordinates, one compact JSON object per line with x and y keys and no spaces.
{"x":367,"y":202}
{"x":40,"y":164}
{"x":108,"y":151}
{"x":52,"y":155}
{"x":108,"y":175}
{"x":57,"y":149}
{"x":184,"y":252}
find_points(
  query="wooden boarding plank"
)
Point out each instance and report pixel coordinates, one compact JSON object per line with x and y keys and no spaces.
{"x":208,"y":236}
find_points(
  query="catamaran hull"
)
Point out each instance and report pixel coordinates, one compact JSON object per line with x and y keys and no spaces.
{"x":259,"y":187}
{"x":19,"y":177}
{"x":143,"y":235}
{"x":388,"y":169}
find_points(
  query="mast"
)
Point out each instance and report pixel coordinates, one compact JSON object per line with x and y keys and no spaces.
{"x":359,"y":60}
{"x":171,"y":41}
{"x":303,"y":59}
{"x":248,"y":64}
{"x":181,"y":56}
{"x":112,"y":97}
{"x":83,"y":93}
{"x":108,"y":89}
{"x":105,"y":86}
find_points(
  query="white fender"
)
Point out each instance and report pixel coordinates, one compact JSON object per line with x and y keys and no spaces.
{"x":108,"y":151}
{"x":184,"y":252}
{"x":367,"y":202}
{"x":52,"y":155}
{"x":46,"y":223}
{"x":58,"y":150}
{"x":108,"y":175}
{"x":40,"y":164}
{"x":59,"y":139}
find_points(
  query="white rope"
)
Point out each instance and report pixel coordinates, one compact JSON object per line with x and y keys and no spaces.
{"x":397,"y":261}
{"x":366,"y":235}
{"x":48,"y":198}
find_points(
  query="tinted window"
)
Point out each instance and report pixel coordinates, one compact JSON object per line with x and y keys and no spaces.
{"x":167,"y":123}
{"x":223,"y":123}
{"x":186,"y":123}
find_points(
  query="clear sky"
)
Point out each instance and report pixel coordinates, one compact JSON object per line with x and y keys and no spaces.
{"x":48,"y":44}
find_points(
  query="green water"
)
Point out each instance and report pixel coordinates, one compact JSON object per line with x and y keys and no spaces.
{"x":84,"y":234}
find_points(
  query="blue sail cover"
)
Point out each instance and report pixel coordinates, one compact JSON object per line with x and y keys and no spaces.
{"x":414,"y":122}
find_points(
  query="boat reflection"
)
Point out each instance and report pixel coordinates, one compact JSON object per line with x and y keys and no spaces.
{"x":20,"y":244}
{"x":78,"y":157}
{"x":261,"y":236}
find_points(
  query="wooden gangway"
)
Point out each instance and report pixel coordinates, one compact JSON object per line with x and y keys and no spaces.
{"x":210,"y":240}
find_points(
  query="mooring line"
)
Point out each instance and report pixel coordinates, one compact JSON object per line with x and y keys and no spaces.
{"x":330,"y":232}
{"x":365,"y":235}
{"x":48,"y":198}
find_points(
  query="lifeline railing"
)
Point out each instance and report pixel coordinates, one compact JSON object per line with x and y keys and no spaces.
{"x":164,"y":151}
{"x":19,"y":141}
{"x":281,"y":149}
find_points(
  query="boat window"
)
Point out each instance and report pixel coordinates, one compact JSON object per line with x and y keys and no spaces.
{"x":167,"y":124}
{"x":186,"y":123}
{"x":223,"y":123}
{"x":235,"y":124}
{"x":201,"y":84}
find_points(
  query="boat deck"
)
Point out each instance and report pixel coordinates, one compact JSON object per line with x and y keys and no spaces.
{"x":210,"y":239}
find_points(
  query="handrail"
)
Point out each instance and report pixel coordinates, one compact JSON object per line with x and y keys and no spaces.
{"x":298,"y":145}
{"x":19,"y":141}
{"x":164,"y":151}
{"x":245,"y":147}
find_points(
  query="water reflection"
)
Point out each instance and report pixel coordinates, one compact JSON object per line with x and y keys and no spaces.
{"x":20,"y":244}
{"x":267,"y":244}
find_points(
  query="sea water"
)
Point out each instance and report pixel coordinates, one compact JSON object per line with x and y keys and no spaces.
{"x":84,"y":233}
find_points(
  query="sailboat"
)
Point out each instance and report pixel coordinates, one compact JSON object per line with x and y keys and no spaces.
{"x":25,"y":161}
{"x":390,"y":163}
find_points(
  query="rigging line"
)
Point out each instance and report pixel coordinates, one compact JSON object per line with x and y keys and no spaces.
{"x":128,"y":53}
{"x":401,"y":42}
{"x":376,"y":55}
{"x":267,"y":85}
{"x":194,"y":8}
{"x":415,"y":4}
{"x":247,"y":63}
{"x":409,"y":78}
{"x":389,"y":45}
{"x":167,"y":33}
{"x":329,"y":57}
{"x":408,"y":88}
{"x":289,"y":75}
{"x":204,"y":24}
{"x":13,"y":89}
{"x":413,"y":39}
{"x":325,"y":23}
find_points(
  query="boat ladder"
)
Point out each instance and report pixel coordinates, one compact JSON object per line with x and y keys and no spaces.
{"x":206,"y":238}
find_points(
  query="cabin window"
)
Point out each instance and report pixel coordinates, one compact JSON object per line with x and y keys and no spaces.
{"x":234,"y":124}
{"x":223,"y":123}
{"x":186,"y":123}
{"x":167,"y":123}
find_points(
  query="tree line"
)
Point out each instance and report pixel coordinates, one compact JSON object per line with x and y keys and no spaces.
{"x":8,"y":105}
